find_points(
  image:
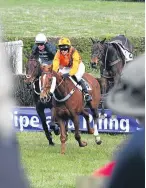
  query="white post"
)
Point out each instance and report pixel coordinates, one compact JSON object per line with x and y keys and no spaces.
{"x":15,"y":48}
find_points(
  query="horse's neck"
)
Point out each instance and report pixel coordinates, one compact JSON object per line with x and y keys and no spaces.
{"x":60,"y":89}
{"x":63,"y":87}
{"x":111,"y":53}
{"x":105,"y":53}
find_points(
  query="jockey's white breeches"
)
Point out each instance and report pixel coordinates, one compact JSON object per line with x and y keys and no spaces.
{"x":79,"y":74}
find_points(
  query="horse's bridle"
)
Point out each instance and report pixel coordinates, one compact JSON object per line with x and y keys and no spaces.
{"x":59,"y":82}
{"x":33,"y":73}
{"x":41,"y":88}
{"x":66,"y":97}
{"x":99,"y":54}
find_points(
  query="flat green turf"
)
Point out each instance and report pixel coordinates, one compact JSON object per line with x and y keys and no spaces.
{"x":82,"y":18}
{"x":46,"y":167}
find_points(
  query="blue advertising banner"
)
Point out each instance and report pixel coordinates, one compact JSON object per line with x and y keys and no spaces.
{"x":26,"y":119}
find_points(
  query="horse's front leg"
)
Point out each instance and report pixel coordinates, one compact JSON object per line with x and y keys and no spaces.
{"x":63,"y":136}
{"x":66,"y":128}
{"x":75,"y":120}
{"x":86,"y":116}
{"x":95,"y":118}
{"x":40,"y":110}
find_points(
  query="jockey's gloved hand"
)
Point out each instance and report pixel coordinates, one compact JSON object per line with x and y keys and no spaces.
{"x":65,"y":75}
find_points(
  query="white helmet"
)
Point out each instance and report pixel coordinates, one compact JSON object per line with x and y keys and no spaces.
{"x":40,"y":38}
{"x":128,"y":97}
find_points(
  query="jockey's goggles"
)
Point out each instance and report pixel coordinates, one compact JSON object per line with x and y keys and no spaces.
{"x":63,"y":48}
{"x":40,"y":44}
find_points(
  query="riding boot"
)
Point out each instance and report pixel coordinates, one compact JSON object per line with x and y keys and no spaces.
{"x":85,"y":91}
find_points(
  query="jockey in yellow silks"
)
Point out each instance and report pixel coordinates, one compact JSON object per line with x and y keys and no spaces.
{"x":68,"y":62}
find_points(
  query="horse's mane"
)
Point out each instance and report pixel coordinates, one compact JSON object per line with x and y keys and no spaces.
{"x":32,"y":57}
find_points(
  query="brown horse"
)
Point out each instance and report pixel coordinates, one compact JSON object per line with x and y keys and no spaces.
{"x":111,"y":57}
{"x":69,"y":104}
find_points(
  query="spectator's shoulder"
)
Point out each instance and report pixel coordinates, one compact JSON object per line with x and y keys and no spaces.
{"x":133,"y":148}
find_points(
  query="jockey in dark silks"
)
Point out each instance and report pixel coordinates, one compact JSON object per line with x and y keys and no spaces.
{"x":43,"y":50}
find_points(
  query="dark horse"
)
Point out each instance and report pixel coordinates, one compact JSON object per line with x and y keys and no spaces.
{"x":69,"y":104}
{"x":111,"y":57}
{"x":33,"y":73}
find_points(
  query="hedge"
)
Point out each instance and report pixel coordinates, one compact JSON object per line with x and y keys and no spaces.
{"x":83,"y":45}
{"x":22,"y":93}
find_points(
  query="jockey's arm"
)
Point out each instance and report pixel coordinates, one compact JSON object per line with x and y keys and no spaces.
{"x":34,"y":50}
{"x":56,"y":62}
{"x":76,"y":62}
{"x":51,"y":49}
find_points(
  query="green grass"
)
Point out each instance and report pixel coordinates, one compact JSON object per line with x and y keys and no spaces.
{"x":76,"y":18}
{"x":46,"y":167}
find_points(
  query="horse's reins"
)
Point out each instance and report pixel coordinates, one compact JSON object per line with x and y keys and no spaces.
{"x":33,"y":83}
{"x":67,"y":96}
{"x":40,"y":87}
{"x":59,"y":83}
{"x":105,"y":57}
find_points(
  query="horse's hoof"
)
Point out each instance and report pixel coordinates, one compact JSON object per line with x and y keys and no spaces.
{"x":98,"y":142}
{"x":83,"y":144}
{"x":51,"y":144}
